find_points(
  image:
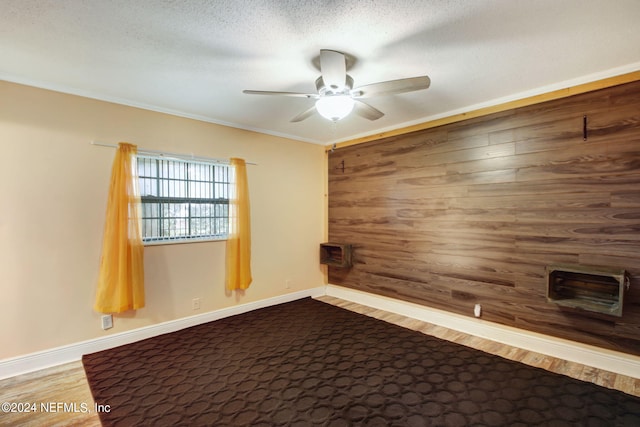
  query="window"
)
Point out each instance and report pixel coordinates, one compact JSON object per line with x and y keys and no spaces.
{"x":183,"y":200}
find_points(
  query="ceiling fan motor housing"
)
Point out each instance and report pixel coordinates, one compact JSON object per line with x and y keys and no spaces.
{"x":324,"y":90}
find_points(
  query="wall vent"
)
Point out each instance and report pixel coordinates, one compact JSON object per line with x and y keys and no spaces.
{"x":589,"y":288}
{"x":335,"y":254}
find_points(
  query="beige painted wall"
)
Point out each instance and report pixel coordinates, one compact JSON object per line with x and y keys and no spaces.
{"x":54,"y":186}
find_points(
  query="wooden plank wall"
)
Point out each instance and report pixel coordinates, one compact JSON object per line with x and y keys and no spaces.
{"x":472,"y":212}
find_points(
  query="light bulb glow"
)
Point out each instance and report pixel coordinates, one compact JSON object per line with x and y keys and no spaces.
{"x":335,"y":107}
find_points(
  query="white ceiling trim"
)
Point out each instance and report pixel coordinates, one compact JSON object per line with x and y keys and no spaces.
{"x":494,"y":102}
{"x":193,"y":58}
{"x":614,"y":72}
{"x":142,"y":106}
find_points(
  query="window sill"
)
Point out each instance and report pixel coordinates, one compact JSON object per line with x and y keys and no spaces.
{"x":183,"y":241}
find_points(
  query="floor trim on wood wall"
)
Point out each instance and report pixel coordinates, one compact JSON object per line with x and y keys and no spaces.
{"x":73,"y":352}
{"x":596,"y":357}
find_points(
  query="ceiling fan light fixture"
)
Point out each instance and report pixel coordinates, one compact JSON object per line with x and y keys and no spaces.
{"x":335,"y":107}
{"x":336,"y":97}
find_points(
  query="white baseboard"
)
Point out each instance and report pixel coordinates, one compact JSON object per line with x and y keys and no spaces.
{"x":73,"y":352}
{"x":608,"y":360}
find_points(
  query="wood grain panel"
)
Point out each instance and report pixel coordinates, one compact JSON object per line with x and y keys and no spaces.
{"x":473,"y":211}
{"x":500,"y":109}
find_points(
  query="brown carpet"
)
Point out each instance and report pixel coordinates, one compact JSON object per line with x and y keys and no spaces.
{"x":309,"y":363}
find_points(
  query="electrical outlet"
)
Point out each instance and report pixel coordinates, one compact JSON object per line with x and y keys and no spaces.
{"x":287,"y":284}
{"x":477,"y":310}
{"x":107,"y":321}
{"x":195,"y":304}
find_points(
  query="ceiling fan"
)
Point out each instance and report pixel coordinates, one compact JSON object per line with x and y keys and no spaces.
{"x":337,"y":97}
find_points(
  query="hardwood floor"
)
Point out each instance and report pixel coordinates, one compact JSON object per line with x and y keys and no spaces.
{"x":603,"y":378}
{"x":51,"y":389}
{"x":47,"y":389}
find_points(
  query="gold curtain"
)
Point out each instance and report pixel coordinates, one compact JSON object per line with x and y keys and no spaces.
{"x":121,"y":277}
{"x":238,"y":271}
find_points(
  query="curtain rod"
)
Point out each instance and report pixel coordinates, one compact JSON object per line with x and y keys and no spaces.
{"x":168,"y":154}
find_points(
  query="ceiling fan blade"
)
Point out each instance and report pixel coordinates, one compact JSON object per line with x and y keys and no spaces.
{"x":392,"y":87}
{"x":304,"y":115}
{"x":266,"y":92}
{"x":333,"y":66}
{"x":367,"y":111}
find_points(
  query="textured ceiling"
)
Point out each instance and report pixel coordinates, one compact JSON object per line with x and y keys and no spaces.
{"x":194,"y":57}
